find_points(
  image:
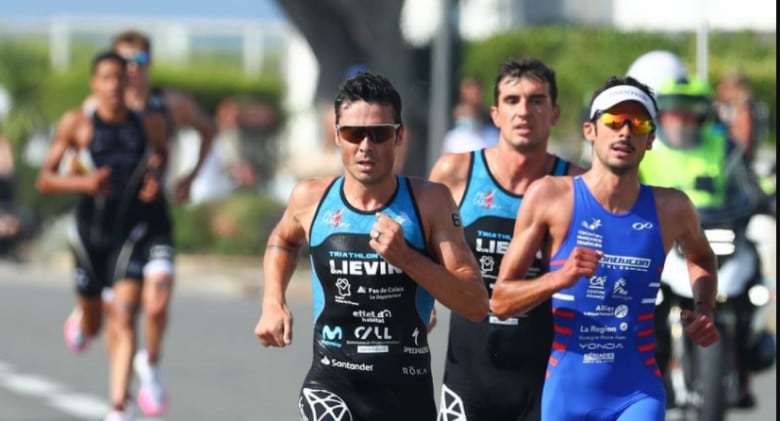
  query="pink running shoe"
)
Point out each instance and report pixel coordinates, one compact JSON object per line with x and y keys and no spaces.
{"x":74,"y":338}
{"x":152,"y":397}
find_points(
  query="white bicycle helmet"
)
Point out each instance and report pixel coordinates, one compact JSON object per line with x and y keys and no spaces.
{"x":656,"y":67}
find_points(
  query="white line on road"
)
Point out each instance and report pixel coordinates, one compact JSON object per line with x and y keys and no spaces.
{"x":56,"y":395}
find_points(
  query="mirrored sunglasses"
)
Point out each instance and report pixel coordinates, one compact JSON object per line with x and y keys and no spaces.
{"x":637,"y":124}
{"x":140,"y":58}
{"x":378,"y":133}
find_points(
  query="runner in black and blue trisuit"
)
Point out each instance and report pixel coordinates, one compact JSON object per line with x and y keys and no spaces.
{"x":494,"y":370}
{"x":113,"y":158}
{"x":382,"y":248}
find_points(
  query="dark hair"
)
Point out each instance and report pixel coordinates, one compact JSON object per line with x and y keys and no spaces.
{"x":624,"y":80}
{"x":369,"y":87}
{"x":107,"y":55}
{"x":527,"y":67}
{"x":134,"y":38}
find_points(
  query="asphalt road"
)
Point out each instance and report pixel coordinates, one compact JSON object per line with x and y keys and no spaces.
{"x":213,"y":364}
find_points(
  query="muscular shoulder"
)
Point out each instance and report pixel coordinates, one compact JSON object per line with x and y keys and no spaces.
{"x":433,"y":199}
{"x":303,"y":201}
{"x":73,"y":120}
{"x":307,"y":193}
{"x":673,"y":204}
{"x":549,"y":198}
{"x":676,"y":214}
{"x":549,"y":188}
{"x":451,"y":169}
{"x":74,"y":116}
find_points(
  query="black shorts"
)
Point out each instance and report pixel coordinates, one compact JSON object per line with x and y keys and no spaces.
{"x":330,"y":396}
{"x":98,"y":266}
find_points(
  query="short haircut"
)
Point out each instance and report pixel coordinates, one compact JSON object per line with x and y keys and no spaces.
{"x":370,"y":87}
{"x":133,"y":37}
{"x":105,"y":56}
{"x":624,"y":80}
{"x":527,"y":67}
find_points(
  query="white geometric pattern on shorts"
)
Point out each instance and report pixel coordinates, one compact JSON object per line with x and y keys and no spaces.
{"x":451,"y":406}
{"x":325,"y":405}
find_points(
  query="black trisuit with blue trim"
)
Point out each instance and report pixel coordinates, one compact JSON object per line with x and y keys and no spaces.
{"x":111,"y":236}
{"x":495,"y":369}
{"x":371,"y":360}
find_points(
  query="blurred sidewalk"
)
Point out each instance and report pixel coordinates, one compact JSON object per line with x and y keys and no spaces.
{"x":243,"y":276}
{"x":234,"y":275}
{"x":207,"y":274}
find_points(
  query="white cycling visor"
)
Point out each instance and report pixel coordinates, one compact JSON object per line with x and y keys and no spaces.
{"x":622,"y":93}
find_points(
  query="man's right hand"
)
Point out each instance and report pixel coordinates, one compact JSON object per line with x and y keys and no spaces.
{"x":275,"y":326}
{"x":98,"y":181}
{"x":582,"y":262}
{"x":700,"y":327}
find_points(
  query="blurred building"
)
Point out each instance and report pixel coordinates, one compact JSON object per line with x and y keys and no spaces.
{"x":480,"y":19}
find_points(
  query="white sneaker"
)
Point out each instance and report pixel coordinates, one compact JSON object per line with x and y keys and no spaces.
{"x":152,"y":397}
{"x":127,"y":414}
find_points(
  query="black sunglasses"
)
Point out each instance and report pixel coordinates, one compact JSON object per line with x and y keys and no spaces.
{"x":378,"y":133}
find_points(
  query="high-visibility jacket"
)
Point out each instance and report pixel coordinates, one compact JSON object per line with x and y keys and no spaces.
{"x":700,"y":171}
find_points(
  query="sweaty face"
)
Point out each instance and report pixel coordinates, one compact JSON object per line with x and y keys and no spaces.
{"x":108,"y":83}
{"x":618,"y":148}
{"x":137,"y":64}
{"x":524,"y":113}
{"x":369,"y":161}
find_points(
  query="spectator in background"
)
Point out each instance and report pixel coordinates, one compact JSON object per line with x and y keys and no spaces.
{"x":10,"y":225}
{"x":6,"y":161}
{"x":467,"y":134}
{"x":6,"y":169}
{"x":217,"y":177}
{"x":470,"y":92}
{"x":735,"y":106}
{"x":258,"y":150}
{"x":244,"y":153}
{"x":17,"y":222}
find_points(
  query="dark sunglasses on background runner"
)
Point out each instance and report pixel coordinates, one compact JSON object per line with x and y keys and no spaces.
{"x":638,"y":124}
{"x":378,"y":133}
{"x":140,"y":58}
